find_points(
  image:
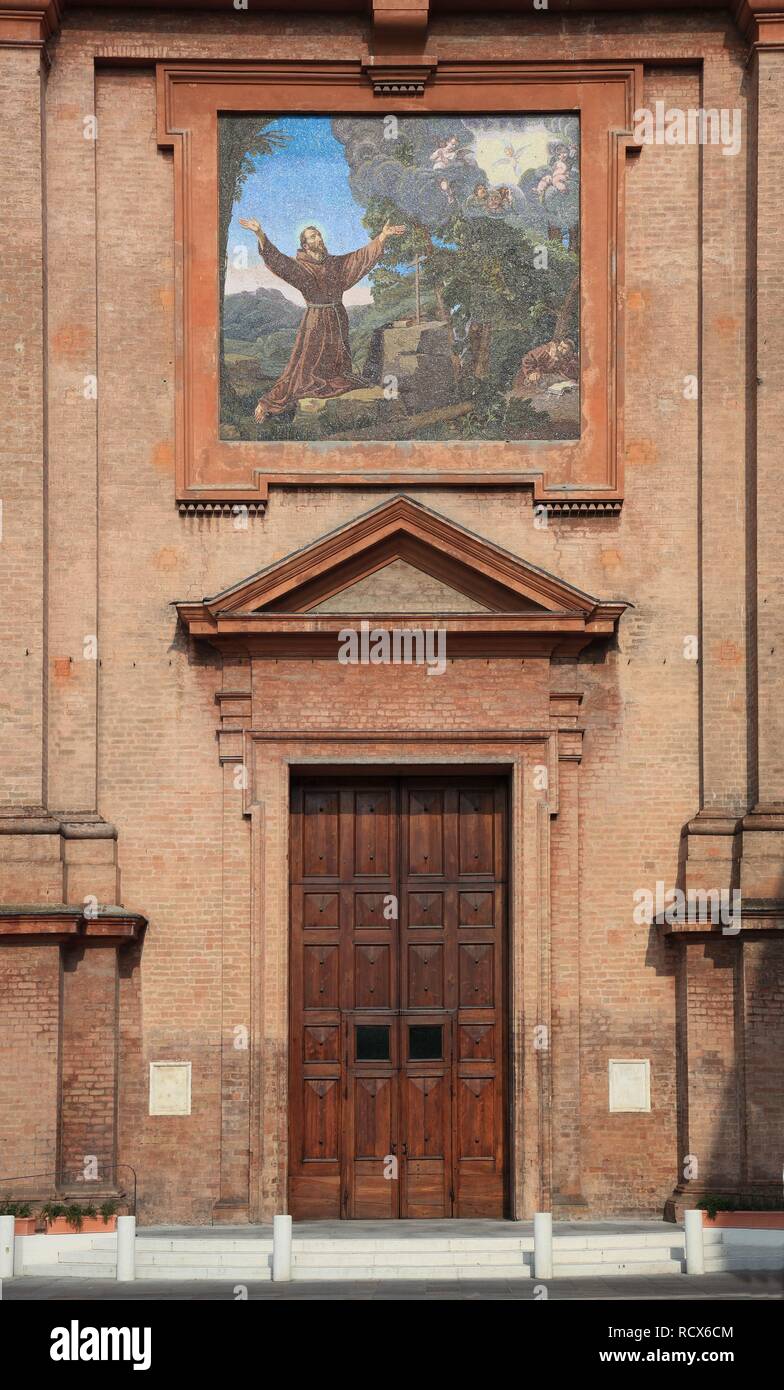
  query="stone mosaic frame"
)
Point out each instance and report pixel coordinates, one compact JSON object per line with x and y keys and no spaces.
{"x":214,"y":474}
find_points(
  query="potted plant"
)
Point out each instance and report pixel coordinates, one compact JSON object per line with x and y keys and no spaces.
{"x":742,"y":1213}
{"x":73,"y":1218}
{"x":24,"y":1221}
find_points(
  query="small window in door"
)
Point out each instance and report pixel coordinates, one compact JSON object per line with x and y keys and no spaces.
{"x":425,"y":1042}
{"x":372,"y":1042}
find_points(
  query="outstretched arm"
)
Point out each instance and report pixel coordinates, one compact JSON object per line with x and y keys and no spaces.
{"x":285,"y":267}
{"x":356,"y":264}
{"x":253,"y":226}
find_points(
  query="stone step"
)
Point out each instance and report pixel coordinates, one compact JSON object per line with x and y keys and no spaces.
{"x":744,"y":1257}
{"x":445,"y":1273}
{"x":240,"y":1274}
{"x":650,"y":1255}
{"x":443,"y":1259}
{"x":604,"y":1269}
{"x":238,"y":1259}
{"x":102,"y":1254}
{"x":63,"y":1271}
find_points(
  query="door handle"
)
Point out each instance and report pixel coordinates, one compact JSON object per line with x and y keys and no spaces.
{"x":404,"y":1148}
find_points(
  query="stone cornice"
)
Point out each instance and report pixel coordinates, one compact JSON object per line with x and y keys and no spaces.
{"x":397,"y":27}
{"x":761,"y":22}
{"x":526,"y":609}
{"x":72,"y":826}
{"x":29,"y":23}
{"x":60,"y":922}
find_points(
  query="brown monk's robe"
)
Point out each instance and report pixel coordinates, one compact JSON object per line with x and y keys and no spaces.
{"x":320,"y":361}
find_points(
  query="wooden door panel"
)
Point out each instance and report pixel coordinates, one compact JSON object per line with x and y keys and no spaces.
{"x":321,"y":1043}
{"x":425,"y":840}
{"x":372,"y":1116}
{"x":371,"y":1191}
{"x":426,"y":1170}
{"x":476,"y":835}
{"x":476,"y":909}
{"x":425,"y":909}
{"x":373,"y":832}
{"x":320,"y":911}
{"x":476,"y":1042}
{"x":320,"y":1116}
{"x":476,"y":1117}
{"x":373,"y":971}
{"x":319,"y":834}
{"x":321,"y":973}
{"x":476,"y":974}
{"x":397,"y":902}
{"x":374,"y":910}
{"x":425,"y":975}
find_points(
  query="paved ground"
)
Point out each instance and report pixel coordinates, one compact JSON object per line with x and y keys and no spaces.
{"x":756,"y":1284}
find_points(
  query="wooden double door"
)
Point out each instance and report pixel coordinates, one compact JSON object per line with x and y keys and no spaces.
{"x":397,"y":1047}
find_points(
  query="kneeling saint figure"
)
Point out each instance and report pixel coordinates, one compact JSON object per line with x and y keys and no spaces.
{"x":320,"y":361}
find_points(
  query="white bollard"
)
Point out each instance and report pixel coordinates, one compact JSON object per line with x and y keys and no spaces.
{"x":281,"y":1248}
{"x":695,"y":1247}
{"x":7,"y":1247}
{"x":126,"y":1247}
{"x":543,"y":1245}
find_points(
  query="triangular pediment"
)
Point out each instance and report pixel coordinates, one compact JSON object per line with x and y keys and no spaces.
{"x":405,"y":560}
{"x":399,"y":587}
{"x":401,"y":530}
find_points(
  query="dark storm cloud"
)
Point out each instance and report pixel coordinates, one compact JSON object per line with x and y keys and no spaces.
{"x":438,"y":176}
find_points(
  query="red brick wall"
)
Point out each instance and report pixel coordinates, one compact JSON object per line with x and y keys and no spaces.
{"x":89,"y":1064}
{"x":763,"y":1017}
{"x":29,"y":1057}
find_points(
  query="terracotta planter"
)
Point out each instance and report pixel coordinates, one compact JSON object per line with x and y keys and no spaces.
{"x":91,"y":1226}
{"x":746,"y":1220}
{"x":25,"y":1225}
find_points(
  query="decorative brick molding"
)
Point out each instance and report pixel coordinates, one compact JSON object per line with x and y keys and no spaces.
{"x":63,"y":856}
{"x":527,"y":610}
{"x":569,"y":476}
{"x":271,"y":756}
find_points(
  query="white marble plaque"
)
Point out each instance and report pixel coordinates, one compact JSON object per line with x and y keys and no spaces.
{"x":630,"y":1084}
{"x":170,"y":1088}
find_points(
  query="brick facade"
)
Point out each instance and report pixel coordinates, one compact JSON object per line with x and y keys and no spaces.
{"x":119,"y":763}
